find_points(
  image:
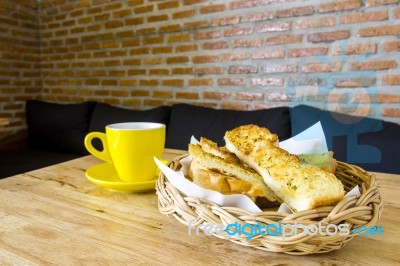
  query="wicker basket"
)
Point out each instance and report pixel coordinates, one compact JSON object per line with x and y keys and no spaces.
{"x":352,"y":212}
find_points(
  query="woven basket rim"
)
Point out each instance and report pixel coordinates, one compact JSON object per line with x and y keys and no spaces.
{"x":354,"y":212}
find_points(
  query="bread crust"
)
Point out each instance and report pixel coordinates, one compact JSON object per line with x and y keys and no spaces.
{"x":238,"y":177}
{"x":303,"y":188}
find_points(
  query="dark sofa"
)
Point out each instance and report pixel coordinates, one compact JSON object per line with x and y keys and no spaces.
{"x":56,"y":131}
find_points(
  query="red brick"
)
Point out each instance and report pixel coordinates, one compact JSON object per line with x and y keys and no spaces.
{"x":124,"y":34}
{"x":168,"y":5}
{"x":169,"y":28}
{"x":148,"y":82}
{"x":133,"y":72}
{"x":267,"y":54}
{"x":173,"y":82}
{"x":128,"y":82}
{"x":231,"y":82}
{"x":322,"y":67}
{"x":207,"y":35}
{"x":177,"y":59}
{"x":328,"y":36}
{"x":279,"y":68}
{"x":118,"y":53}
{"x":302,"y":52}
{"x":278,"y":97}
{"x":374,"y":65}
{"x":152,"y":102}
{"x":186,"y":48}
{"x":209,"y":70}
{"x":112,"y":63}
{"x":157,"y":18}
{"x":184,"y":14}
{"x":200,"y":82}
{"x":369,"y":3}
{"x":295,"y":12}
{"x":269,"y":2}
{"x":134,"y":21}
{"x":113,"y":24}
{"x":139,"y":93}
{"x":396,"y":12}
{"x":355,"y":82}
{"x":234,"y":105}
{"x":284,"y":39}
{"x":339,"y":6}
{"x":392,"y":46}
{"x":364,"y":17}
{"x":183,"y":71}
{"x":146,"y":31}
{"x":212,"y":9}
{"x":102,"y":92}
{"x":153,"y":61}
{"x":122,"y":13}
{"x":315,"y":23}
{"x":391,"y":79}
{"x":153,"y":40}
{"x":142,"y":50}
{"x":193,"y":2}
{"x":265,"y":15}
{"x":242,"y":69}
{"x":376,"y":98}
{"x":120,"y":93}
{"x":379,"y":31}
{"x":238,"y":31}
{"x":267,"y":82}
{"x":244,"y":4}
{"x":391,"y":112}
{"x":81,"y":4}
{"x":247,"y":43}
{"x":225,"y":21}
{"x":195,"y":25}
{"x":162,"y":94}
{"x":234,"y":56}
{"x":131,"y":42}
{"x":187,"y":95}
{"x":274,"y":26}
{"x":215,"y":45}
{"x":201,"y":59}
{"x":249,"y":96}
{"x":162,"y":50}
{"x":355,"y":49}
{"x":179,"y":38}
{"x":216,"y":95}
{"x":143,"y":9}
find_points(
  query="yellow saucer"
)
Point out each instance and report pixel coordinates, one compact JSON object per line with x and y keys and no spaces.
{"x":105,"y":175}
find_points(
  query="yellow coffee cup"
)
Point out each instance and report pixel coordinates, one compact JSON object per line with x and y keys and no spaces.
{"x":131,"y":148}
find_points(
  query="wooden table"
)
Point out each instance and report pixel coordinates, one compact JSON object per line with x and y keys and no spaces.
{"x":55,"y":216}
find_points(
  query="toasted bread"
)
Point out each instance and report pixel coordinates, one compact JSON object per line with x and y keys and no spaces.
{"x":302,"y":188}
{"x":222,"y":152}
{"x":238,"y":178}
{"x":222,"y":183}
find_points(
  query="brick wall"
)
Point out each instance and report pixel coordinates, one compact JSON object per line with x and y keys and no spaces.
{"x":19,"y":61}
{"x":337,"y":55}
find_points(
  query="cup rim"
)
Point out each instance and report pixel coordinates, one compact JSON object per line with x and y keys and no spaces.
{"x":135,"y":126}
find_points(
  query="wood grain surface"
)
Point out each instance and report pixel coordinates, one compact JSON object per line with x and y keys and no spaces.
{"x":55,"y":216}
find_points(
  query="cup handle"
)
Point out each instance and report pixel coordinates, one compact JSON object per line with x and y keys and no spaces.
{"x":102,"y":155}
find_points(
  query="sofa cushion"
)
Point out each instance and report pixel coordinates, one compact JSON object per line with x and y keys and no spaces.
{"x":370,"y":143}
{"x":58,"y":127}
{"x":105,"y":114}
{"x":187,"y":120}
